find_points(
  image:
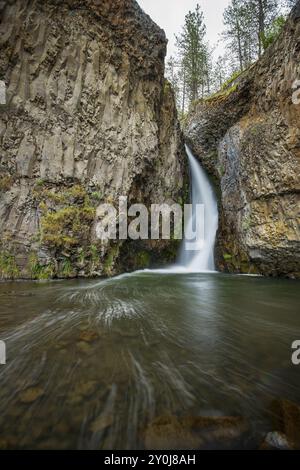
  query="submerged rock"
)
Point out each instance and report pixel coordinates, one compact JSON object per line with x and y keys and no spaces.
{"x":196,"y":433}
{"x":286,"y":420}
{"x":275,"y":441}
{"x":81,"y":391}
{"x":31,"y":394}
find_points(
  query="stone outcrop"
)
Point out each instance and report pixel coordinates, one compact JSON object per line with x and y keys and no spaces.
{"x":88,"y":118}
{"x":248,"y":138}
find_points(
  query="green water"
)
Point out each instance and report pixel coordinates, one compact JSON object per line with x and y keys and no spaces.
{"x":91,"y":363}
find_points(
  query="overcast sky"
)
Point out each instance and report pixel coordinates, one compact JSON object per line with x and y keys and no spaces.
{"x":169,"y":15}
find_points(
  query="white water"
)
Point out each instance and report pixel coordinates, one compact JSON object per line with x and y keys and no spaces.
{"x":201,"y":260}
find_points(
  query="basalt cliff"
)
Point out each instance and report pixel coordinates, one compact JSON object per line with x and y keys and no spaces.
{"x":248,"y":139}
{"x":88,"y":117}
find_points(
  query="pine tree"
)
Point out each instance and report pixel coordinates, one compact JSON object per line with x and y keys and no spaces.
{"x":193,"y":53}
{"x":173,"y":75}
{"x":248,"y":23}
{"x":264,"y":14}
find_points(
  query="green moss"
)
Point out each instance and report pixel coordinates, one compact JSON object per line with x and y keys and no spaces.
{"x":220,"y":95}
{"x":221,"y":170}
{"x":96,"y":196}
{"x":8,"y":266}
{"x":227,"y":257}
{"x":232,"y":79}
{"x":246,"y":224}
{"x":39,"y":183}
{"x":67,"y":227}
{"x":74,"y":194}
{"x":67,"y":215}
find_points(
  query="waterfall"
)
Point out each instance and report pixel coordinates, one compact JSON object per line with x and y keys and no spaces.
{"x":202,"y":193}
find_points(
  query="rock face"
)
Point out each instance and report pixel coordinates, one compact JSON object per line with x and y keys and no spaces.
{"x":248,"y":138}
{"x":88,"y":118}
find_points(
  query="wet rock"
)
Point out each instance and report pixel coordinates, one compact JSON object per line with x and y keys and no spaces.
{"x":275,"y":441}
{"x":286,"y":420}
{"x":31,"y":394}
{"x":196,"y":433}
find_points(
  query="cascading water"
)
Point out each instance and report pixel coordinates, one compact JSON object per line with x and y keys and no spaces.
{"x":201,"y":260}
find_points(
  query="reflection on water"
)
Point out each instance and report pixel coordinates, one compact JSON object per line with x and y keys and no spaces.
{"x":90,"y":364}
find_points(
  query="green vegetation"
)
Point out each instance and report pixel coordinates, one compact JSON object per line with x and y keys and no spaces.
{"x":143,"y":260}
{"x":40,"y":182}
{"x":97,"y":196}
{"x":221,"y":95}
{"x":38,"y":271}
{"x":250,"y":27}
{"x":66,"y":268}
{"x":237,"y":74}
{"x":67,"y":227}
{"x":273,"y":32}
{"x":94,"y":254}
{"x":74,"y":194}
{"x":246,"y":223}
{"x":8,"y":266}
{"x":110,"y":260}
{"x":221,"y":170}
{"x":81,"y":257}
{"x":227,"y":257}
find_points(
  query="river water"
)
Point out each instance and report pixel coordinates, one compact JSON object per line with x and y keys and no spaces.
{"x":90,"y":364}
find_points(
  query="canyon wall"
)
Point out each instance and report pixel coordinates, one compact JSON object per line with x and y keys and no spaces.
{"x":88,"y":118}
{"x":248,"y":139}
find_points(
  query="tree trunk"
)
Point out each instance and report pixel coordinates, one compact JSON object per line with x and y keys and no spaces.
{"x":261,"y":26}
{"x":239,"y":39}
{"x":183,"y":92}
